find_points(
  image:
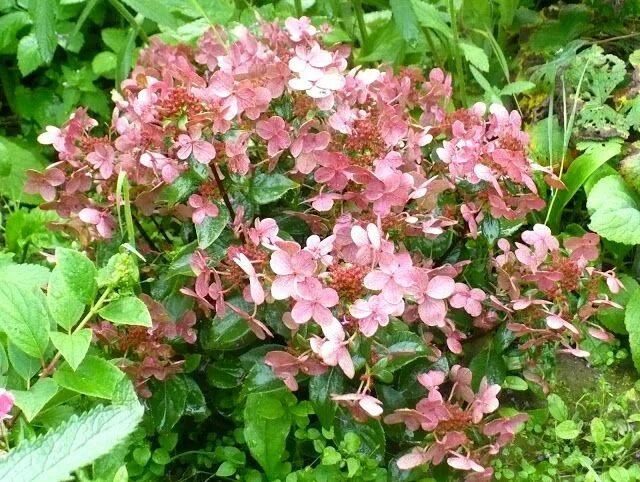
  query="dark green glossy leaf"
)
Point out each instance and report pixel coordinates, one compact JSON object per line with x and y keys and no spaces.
{"x":269,"y":187}
{"x":168,"y":402}
{"x":321,"y":387}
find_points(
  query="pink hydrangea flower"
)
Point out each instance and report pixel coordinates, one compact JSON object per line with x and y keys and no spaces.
{"x":44,"y":183}
{"x":192,"y":144}
{"x":393,"y":278}
{"x":102,"y":158}
{"x":585,"y":247}
{"x":370,"y":405}
{"x":334,"y":352}
{"x":6,"y":403}
{"x":274,"y":130}
{"x":202,"y":208}
{"x":541,"y":239}
{"x":299,"y":28}
{"x":314,"y":301}
{"x":373,"y":313}
{"x":264,"y":232}
{"x":461,"y":462}
{"x":292,"y":267}
{"x":255,"y":288}
{"x":103,"y":221}
{"x":486,"y":400}
{"x":467,"y":298}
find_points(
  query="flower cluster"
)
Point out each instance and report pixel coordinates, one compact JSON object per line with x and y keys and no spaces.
{"x":456,"y":423}
{"x":378,"y":161}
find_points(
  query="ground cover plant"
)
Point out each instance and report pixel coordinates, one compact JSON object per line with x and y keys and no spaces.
{"x":319,"y":241}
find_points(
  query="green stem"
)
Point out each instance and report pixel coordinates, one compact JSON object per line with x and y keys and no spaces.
{"x":94,"y":309}
{"x":457,"y":54}
{"x":298,"y":4}
{"x":362,"y":26}
{"x":122,"y":10}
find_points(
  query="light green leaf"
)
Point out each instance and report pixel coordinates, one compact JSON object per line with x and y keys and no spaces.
{"x":567,"y":430}
{"x":557,"y":408}
{"x":475,"y":56}
{"x":24,"y":318}
{"x":598,"y":431}
{"x":10,"y":25}
{"x":69,"y":447}
{"x":211,"y":228}
{"x":29,"y":57}
{"x":515,"y":383}
{"x":44,"y":26}
{"x":153,"y":10}
{"x":407,"y":23}
{"x":65,"y":308}
{"x":25,"y":365}
{"x":632,"y":323}
{"x":95,"y":377}
{"x":615,"y":211}
{"x":78,"y":272}
{"x":128,"y":310}
{"x":32,"y":401}
{"x":73,"y":347}
{"x":12,"y":181}
{"x":267,"y":188}
{"x":104,"y":63}
{"x":430,"y":17}
{"x":28,"y":276}
{"x":595,"y":155}
{"x":517,"y":87}
{"x":265,"y":437}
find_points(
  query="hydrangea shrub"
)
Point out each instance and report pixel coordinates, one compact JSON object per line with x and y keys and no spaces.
{"x":352,"y":215}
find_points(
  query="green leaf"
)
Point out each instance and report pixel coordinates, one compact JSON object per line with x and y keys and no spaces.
{"x":104,"y":63}
{"x":595,"y":155}
{"x":95,"y":377}
{"x":70,"y":446}
{"x":613,"y":318}
{"x":265,"y":437}
{"x":44,"y":26}
{"x":78,"y":272}
{"x":557,"y":407}
{"x":230,"y":332}
{"x":598,"y":431}
{"x":153,"y":10}
{"x":73,"y":347}
{"x":515,"y":383}
{"x":32,"y":401}
{"x":168,"y":403}
{"x":29,"y":57}
{"x":430,"y":17}
{"x":321,"y":387}
{"x":406,"y":21}
{"x":211,"y":228}
{"x":25,"y":365}
{"x":615,"y":211}
{"x":27,"y":276}
{"x":632,"y":323}
{"x":567,"y":430}
{"x":517,"y":87}
{"x":267,"y":188}
{"x":64,"y":306}
{"x":10,"y":26}
{"x":226,"y":469}
{"x":128,"y":310}
{"x":24,"y":318}
{"x":12,"y":182}
{"x":488,"y":363}
{"x":475,"y":56}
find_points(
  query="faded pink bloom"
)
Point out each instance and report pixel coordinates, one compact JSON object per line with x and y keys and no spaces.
{"x":53,"y":136}
{"x":292,"y":266}
{"x":103,"y":221}
{"x":286,"y":366}
{"x":321,"y":248}
{"x":275,"y":131}
{"x":460,"y":462}
{"x":432,"y":379}
{"x":192,"y":144}
{"x":584,"y":247}
{"x":413,"y":459}
{"x":373,"y":313}
{"x":6,"y":403}
{"x":370,"y":405}
{"x":264,"y":232}
{"x":334,"y":352}
{"x":314,"y":302}
{"x":202,"y":208}
{"x":236,"y":152}
{"x":102,"y":158}
{"x":299,"y":28}
{"x":44,"y":183}
{"x":541,"y":239}
{"x":469,"y":299}
{"x":486,"y":400}
{"x":505,"y":428}
{"x":255,"y":288}
{"x":393,"y":278}
{"x":184,"y":327}
{"x":556,"y":322}
{"x":388,"y":189}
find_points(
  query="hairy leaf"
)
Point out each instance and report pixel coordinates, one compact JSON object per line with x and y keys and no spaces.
{"x":95,"y":377}
{"x":615,"y":211}
{"x":32,"y":401}
{"x":75,"y":443}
